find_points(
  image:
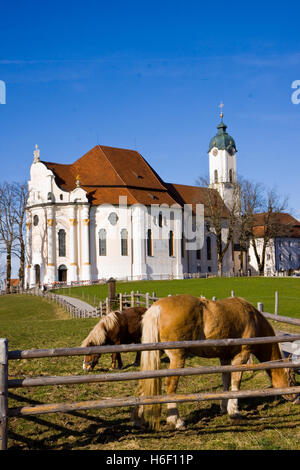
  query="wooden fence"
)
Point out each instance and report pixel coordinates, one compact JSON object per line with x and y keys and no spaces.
{"x":124,"y":300}
{"x":105,"y":306}
{"x":6,"y":384}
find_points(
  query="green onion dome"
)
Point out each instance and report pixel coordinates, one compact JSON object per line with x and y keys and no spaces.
{"x":222,"y":140}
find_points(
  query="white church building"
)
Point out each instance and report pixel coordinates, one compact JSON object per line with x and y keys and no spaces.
{"x":109,"y":214}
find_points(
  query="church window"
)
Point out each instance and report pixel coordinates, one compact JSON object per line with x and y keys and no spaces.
{"x":102,"y":242}
{"x":61,"y":242}
{"x":149,"y":243}
{"x":171,"y":243}
{"x":61,"y":197}
{"x":124,"y":242}
{"x":198,"y":254}
{"x":230,"y":176}
{"x":208,"y":248}
{"x":35,"y":220}
{"x":160,"y":219}
{"x":216,"y":176}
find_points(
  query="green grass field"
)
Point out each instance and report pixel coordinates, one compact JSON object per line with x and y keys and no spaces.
{"x":33,"y":322}
{"x":254,"y":289}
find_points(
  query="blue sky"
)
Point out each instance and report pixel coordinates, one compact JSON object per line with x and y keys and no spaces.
{"x":150,"y":76}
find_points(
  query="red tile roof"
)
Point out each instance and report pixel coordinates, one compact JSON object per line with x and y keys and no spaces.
{"x":288,"y":226}
{"x":106,"y":173}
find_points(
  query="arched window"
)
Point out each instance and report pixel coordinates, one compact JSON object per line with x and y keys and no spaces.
{"x":149,"y":243}
{"x":124,"y":242}
{"x":208,"y":248}
{"x":61,"y":242}
{"x":102,"y":242}
{"x":160,"y":219}
{"x":216,"y":176}
{"x":171,"y":243}
{"x":230,"y":176}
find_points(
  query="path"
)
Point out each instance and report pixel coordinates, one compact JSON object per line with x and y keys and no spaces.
{"x":77,"y":303}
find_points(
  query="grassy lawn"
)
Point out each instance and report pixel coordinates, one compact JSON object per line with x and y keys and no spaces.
{"x":32,"y":322}
{"x":254,"y":289}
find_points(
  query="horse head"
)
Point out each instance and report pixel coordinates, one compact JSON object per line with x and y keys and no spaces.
{"x":294,"y":398}
{"x":89,"y":362}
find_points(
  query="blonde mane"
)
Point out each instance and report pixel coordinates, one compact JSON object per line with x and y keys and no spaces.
{"x":98,"y":334}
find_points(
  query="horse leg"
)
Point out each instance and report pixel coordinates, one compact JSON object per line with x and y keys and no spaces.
{"x":137,"y":359}
{"x":236,"y":377}
{"x":116,"y":357}
{"x":113,"y":360}
{"x":177,"y":360}
{"x":226,"y":378}
{"x":120,"y":362}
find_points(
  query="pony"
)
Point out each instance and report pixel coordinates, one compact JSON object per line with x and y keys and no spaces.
{"x":115,"y":328}
{"x":189,"y":318}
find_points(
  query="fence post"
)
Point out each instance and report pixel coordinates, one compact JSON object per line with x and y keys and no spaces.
{"x":232,"y":293}
{"x":121,"y":301}
{"x":3,"y":392}
{"x":260,"y":306}
{"x":276,"y":303}
{"x":132,"y":298}
{"x":147,"y":300}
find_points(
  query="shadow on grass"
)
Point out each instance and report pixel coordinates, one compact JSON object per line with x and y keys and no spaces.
{"x":77,"y":430}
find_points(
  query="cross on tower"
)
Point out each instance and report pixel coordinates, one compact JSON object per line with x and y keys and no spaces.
{"x":221,"y":106}
{"x":36,"y":154}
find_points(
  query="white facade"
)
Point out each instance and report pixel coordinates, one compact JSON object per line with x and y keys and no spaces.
{"x":51,"y":210}
{"x":69,"y":239}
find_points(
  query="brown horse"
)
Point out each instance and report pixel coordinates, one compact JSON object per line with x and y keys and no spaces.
{"x":115,"y":328}
{"x":187,"y":318}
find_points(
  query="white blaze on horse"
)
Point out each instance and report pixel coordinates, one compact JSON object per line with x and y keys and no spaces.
{"x":188,"y":318}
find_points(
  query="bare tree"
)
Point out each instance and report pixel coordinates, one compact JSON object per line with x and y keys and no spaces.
{"x":20,"y":195}
{"x":222,"y":219}
{"x":13,"y":197}
{"x":270,"y":225}
{"x":250,"y":202}
{"x":7,"y":225}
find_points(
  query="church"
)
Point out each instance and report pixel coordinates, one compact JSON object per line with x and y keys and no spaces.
{"x":109,"y":214}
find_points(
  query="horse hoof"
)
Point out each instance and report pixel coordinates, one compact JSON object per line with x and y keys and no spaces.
{"x":180,"y":424}
{"x":236,"y":416}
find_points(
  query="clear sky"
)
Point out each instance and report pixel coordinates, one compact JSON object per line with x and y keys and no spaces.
{"x":149,"y":76}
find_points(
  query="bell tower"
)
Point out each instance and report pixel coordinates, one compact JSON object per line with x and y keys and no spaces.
{"x":222,"y":162}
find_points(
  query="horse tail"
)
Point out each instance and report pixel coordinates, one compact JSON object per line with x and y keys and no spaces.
{"x":150,"y":360}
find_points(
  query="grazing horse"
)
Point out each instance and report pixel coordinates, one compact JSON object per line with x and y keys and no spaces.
{"x":188,"y":318}
{"x":115,"y":328}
